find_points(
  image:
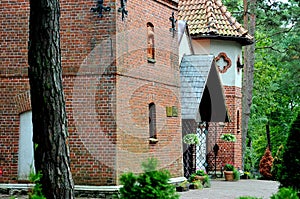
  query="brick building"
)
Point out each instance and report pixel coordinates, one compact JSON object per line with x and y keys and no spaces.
{"x":212,"y":31}
{"x":121,"y":79}
{"x":120,"y":74}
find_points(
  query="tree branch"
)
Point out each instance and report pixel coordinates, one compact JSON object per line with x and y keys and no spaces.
{"x":277,"y":33}
{"x":270,"y":47}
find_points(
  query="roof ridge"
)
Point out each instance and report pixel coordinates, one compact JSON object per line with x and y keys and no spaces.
{"x":210,"y":18}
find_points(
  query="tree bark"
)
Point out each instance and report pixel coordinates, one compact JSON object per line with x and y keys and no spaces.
{"x":49,"y":119}
{"x":249,"y":60}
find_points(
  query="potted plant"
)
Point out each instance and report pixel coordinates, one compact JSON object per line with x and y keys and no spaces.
{"x":228,"y":172}
{"x":197,"y":184}
{"x":191,"y":139}
{"x":228,"y":137}
{"x":199,"y":176}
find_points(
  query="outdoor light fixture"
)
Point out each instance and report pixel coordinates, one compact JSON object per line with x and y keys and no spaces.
{"x":238,"y":64}
{"x":99,"y":8}
{"x":122,"y":9}
{"x":173,"y":21}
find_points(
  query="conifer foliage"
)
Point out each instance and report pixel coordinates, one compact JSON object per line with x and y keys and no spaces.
{"x":265,"y":164}
{"x":291,"y":158}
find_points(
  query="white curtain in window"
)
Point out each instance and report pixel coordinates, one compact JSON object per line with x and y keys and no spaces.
{"x":25,"y":146}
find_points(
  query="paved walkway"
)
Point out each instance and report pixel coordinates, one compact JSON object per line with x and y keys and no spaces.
{"x":221,"y":189}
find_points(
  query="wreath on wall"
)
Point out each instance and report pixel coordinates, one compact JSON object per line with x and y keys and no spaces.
{"x":226,"y":59}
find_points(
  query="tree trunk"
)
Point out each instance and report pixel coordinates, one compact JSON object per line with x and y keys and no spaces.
{"x":249,"y":59}
{"x":50,"y":133}
{"x":268,"y":136}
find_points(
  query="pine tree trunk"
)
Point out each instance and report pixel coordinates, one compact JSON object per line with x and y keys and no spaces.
{"x":48,"y":105}
{"x":249,"y":59}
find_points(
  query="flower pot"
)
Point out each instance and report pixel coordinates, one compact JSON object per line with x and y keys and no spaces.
{"x":201,"y":178}
{"x":228,"y":175}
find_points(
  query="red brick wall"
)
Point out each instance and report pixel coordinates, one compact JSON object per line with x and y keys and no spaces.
{"x":140,"y":83}
{"x":13,"y":83}
{"x":13,"y":93}
{"x":98,"y":112}
{"x":228,"y":152}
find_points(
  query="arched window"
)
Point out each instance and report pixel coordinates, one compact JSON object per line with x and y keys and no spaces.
{"x":150,"y":42}
{"x":152,"y":121}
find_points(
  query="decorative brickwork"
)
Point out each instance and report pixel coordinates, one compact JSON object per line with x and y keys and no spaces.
{"x":23,"y":102}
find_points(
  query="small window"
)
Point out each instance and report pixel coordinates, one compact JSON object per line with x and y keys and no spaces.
{"x":150,"y":43}
{"x":25,"y":146}
{"x":152,"y":121}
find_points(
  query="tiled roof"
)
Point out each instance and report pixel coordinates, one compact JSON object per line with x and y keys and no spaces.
{"x":210,"y":18}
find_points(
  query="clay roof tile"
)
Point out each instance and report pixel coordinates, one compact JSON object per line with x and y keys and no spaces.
{"x":210,"y":18}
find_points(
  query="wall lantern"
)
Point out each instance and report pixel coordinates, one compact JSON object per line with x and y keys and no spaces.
{"x":238,"y":64}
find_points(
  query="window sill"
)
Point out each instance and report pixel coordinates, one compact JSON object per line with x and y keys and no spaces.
{"x":150,"y":60}
{"x":153,"y":140}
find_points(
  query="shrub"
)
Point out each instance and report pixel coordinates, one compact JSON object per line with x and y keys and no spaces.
{"x":290,"y":173}
{"x":277,"y":163}
{"x":285,"y":193}
{"x":36,"y":192}
{"x":265,"y":164}
{"x":236,"y":174}
{"x":206,"y":182}
{"x":150,"y":184}
{"x":198,"y":184}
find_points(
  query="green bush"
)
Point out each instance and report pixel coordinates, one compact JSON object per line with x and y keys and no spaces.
{"x":285,"y":193}
{"x":36,"y":192}
{"x":152,"y":184}
{"x":290,"y":173}
{"x":277,"y":164}
{"x":206,"y":182}
{"x":198,"y":184}
{"x":236,"y":174}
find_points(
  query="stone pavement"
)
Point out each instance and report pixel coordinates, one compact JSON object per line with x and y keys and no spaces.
{"x":221,"y":189}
